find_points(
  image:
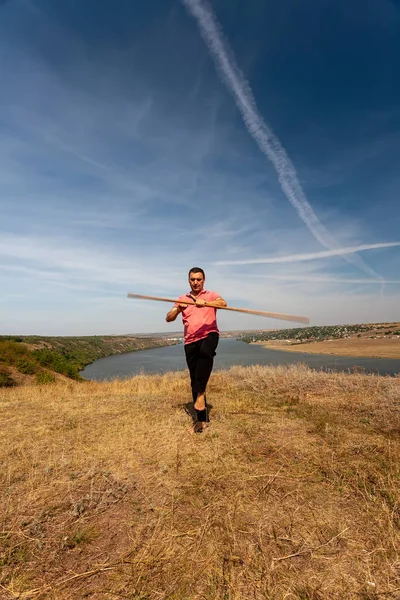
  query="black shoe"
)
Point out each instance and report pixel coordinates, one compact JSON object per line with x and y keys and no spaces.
{"x":198,"y":427}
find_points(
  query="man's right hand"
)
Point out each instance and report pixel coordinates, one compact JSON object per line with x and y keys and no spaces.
{"x":174,"y":312}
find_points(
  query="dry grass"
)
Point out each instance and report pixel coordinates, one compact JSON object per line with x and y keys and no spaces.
{"x":292,"y":493}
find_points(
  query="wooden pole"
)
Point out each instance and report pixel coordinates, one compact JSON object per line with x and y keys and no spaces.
{"x":261,"y":313}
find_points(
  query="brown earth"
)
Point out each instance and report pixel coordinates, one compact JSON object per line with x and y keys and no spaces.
{"x":376,"y":342}
{"x":23,"y":379}
{"x":374,"y":348}
{"x":292,"y":493}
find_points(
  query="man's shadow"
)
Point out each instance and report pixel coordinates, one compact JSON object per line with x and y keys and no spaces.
{"x":189,"y":409}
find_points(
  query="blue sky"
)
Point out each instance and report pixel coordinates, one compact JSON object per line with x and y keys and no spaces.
{"x":258,"y":140}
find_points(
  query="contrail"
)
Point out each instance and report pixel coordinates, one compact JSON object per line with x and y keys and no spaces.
{"x":318,"y":279}
{"x":263,"y":135}
{"x":294,"y":258}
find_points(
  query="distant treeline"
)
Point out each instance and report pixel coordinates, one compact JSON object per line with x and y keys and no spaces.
{"x":316,"y":333}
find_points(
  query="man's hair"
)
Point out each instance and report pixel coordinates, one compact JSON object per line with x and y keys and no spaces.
{"x":197,"y":270}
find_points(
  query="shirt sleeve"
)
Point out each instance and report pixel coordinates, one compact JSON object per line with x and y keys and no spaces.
{"x":214,"y":296}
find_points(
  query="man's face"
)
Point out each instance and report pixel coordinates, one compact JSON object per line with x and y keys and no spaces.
{"x":196,"y":281}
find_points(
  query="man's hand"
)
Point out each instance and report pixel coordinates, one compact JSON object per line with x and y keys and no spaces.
{"x":219,"y":302}
{"x":174,"y":312}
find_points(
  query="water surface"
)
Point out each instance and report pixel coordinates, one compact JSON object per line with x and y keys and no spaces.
{"x":229,"y":352}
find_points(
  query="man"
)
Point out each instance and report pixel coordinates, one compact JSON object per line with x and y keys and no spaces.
{"x":201,"y":337}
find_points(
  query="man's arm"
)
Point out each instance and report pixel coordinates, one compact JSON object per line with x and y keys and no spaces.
{"x":221,"y":302}
{"x":218,"y":302}
{"x":174,"y":312}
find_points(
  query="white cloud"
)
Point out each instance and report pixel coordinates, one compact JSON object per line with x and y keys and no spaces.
{"x":312,"y":255}
{"x":107,"y":189}
{"x":261,"y":132}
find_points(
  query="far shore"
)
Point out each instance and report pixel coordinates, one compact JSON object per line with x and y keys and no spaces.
{"x":365,"y":347}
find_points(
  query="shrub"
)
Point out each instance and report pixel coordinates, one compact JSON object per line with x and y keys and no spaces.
{"x":11,"y":351}
{"x":56,"y":362}
{"x":6,"y":380}
{"x":26,"y":367}
{"x":44,"y":378}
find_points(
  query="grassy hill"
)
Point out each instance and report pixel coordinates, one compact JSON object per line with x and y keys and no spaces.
{"x":28,"y":359}
{"x":375,"y":340}
{"x":293,"y":492}
{"x":317,"y":333}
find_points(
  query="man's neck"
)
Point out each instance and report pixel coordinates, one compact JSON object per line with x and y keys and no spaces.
{"x":192,"y":293}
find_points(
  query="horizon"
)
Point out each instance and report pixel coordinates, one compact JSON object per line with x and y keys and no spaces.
{"x":180,"y":332}
{"x":257,"y":141}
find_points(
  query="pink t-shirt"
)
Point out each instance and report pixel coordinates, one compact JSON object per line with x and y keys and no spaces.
{"x":199,"y":322}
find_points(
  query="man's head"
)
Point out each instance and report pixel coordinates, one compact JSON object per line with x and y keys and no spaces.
{"x":196,"y":279}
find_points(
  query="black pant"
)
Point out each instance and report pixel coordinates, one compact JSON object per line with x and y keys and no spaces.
{"x":200,"y":359}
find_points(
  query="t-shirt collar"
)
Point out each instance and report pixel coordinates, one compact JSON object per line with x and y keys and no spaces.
{"x":203,"y":291}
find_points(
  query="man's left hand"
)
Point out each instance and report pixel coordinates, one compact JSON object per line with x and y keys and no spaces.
{"x":200,"y":303}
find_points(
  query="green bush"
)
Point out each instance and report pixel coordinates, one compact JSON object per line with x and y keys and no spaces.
{"x":11,"y":351}
{"x":6,"y":380}
{"x":25,"y":366}
{"x":44,"y":378}
{"x":56,"y":362}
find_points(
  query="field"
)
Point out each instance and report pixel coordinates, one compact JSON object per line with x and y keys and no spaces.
{"x":374,"y":340}
{"x":292,"y":493}
{"x":353,"y":346}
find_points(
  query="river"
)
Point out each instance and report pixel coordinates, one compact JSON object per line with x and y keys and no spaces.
{"x":229,"y":352}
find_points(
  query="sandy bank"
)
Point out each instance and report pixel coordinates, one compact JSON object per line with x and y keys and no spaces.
{"x":373,"y":348}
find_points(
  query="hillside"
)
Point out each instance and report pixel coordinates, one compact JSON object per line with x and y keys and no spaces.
{"x":377,"y":340}
{"x":293,"y":491}
{"x":28,"y":359}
